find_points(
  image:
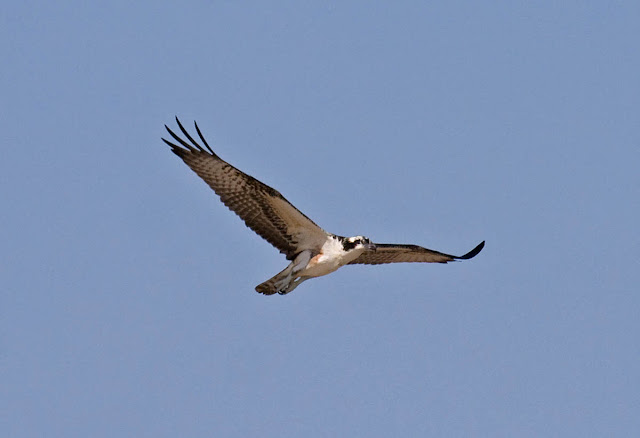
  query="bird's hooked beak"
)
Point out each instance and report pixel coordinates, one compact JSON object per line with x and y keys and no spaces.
{"x":370,"y":247}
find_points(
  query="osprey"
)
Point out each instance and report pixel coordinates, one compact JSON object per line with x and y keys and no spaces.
{"x":312,"y":251}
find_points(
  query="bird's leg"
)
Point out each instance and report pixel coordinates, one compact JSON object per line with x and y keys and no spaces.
{"x":293,"y":284}
{"x":283,"y":281}
{"x":289,"y":283}
{"x":301,"y":261}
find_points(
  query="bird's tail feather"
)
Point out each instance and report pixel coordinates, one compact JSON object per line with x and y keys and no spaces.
{"x":275,"y":283}
{"x":268,"y":287}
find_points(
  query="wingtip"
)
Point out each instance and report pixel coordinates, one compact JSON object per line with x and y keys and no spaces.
{"x":474,"y":252}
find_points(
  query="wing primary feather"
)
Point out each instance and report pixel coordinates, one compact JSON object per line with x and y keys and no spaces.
{"x":203,"y":140}
{"x":181,"y":152}
{"x":184,"y":131}
{"x":179,"y":140}
{"x":172,"y":146}
{"x":474,"y":252}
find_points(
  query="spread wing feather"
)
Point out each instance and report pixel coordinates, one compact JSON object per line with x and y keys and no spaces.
{"x":262,"y":208}
{"x":391,"y":253}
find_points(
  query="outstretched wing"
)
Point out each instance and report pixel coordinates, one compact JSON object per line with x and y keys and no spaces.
{"x":262,"y":208}
{"x":390,"y":253}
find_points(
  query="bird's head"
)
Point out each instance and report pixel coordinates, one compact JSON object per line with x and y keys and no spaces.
{"x":358,"y":242}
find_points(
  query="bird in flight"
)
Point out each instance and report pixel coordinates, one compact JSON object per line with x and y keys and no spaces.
{"x":312,"y":251}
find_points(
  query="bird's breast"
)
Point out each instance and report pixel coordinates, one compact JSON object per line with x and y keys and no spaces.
{"x":331,"y":257}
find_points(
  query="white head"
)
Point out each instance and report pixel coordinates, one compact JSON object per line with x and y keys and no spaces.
{"x":357,"y":243}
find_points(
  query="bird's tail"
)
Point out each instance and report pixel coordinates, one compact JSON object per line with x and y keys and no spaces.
{"x":269,"y":286}
{"x":283,"y":283}
{"x":278,"y":283}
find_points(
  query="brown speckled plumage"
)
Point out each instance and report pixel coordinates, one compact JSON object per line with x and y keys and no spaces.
{"x":313,"y":251}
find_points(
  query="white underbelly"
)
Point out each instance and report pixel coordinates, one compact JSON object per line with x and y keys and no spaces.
{"x":320,"y":265}
{"x":330,"y":258}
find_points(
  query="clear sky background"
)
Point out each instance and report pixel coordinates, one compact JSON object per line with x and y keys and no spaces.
{"x":127,"y":289}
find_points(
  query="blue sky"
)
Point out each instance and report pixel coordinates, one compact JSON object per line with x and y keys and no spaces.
{"x":127,"y":304}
